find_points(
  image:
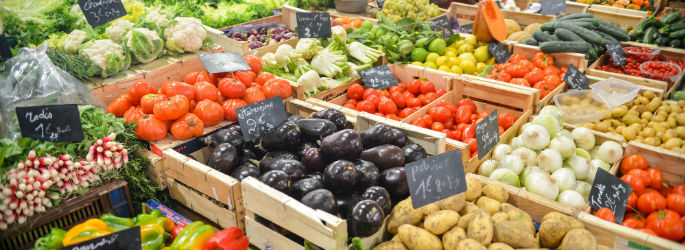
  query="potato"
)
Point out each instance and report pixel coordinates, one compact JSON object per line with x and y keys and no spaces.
{"x":396,"y":238}
{"x":578,"y":238}
{"x":390,"y":245}
{"x":468,"y":208}
{"x":499,"y":246}
{"x":430,"y":208}
{"x":470,"y":244}
{"x":680,"y":119}
{"x":514,"y":234}
{"x":480,"y":227}
{"x":441,"y":221}
{"x":489,"y":204}
{"x":648,"y":94}
{"x":499,"y":216}
{"x":417,"y":239}
{"x":516,"y":214}
{"x":473,"y":189}
{"x":673,"y":143}
{"x":452,"y":237}
{"x":404,"y":213}
{"x":465,"y":220}
{"x":496,"y":192}
{"x":554,"y":226}
{"x":455,"y":202}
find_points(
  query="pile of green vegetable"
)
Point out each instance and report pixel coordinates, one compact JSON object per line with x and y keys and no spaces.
{"x":579,"y":33}
{"x":666,"y":30}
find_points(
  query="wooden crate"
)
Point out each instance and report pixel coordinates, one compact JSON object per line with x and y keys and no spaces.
{"x":623,"y":18}
{"x":208,"y":208}
{"x":574,"y":8}
{"x":155,"y":172}
{"x":670,"y":163}
{"x":466,"y":13}
{"x":242,"y":47}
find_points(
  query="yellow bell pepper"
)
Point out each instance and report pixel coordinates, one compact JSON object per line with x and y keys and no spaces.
{"x":87,"y":230}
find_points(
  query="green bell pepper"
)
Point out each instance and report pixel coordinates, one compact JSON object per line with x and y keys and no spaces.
{"x":152,"y":236}
{"x":154,"y":217}
{"x":194,"y":236}
{"x":115,"y":223}
{"x":52,"y":241}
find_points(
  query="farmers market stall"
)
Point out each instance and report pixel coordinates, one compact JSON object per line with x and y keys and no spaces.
{"x":342,"y":124}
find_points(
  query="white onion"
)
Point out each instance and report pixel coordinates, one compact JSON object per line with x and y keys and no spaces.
{"x":571,"y":198}
{"x":594,"y":165}
{"x":513,"y":163}
{"x":529,"y":170}
{"x":542,"y":184}
{"x":564,"y":145}
{"x":583,"y":188}
{"x":583,"y":137}
{"x":547,"y":121}
{"x":553,"y":111}
{"x":566,"y":133}
{"x":501,"y":150}
{"x":600,"y":164}
{"x":535,"y":137}
{"x":516,"y":142}
{"x":526,"y":125}
{"x":583,"y":153}
{"x":578,"y":165}
{"x":527,"y":155}
{"x":550,"y":160}
{"x":487,"y":167}
{"x":565,"y":178}
{"x":594,"y":152}
{"x":610,"y":152}
{"x":507,"y":176}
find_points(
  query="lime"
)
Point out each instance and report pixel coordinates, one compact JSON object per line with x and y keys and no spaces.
{"x":442,"y":61}
{"x":444,"y":68}
{"x":430,"y":65}
{"x":469,"y":67}
{"x":465,"y":48}
{"x":419,"y":54}
{"x":481,"y":53}
{"x":438,"y":46}
{"x":417,"y":63}
{"x":468,"y":57}
{"x":455,"y":69}
{"x":432,"y":57}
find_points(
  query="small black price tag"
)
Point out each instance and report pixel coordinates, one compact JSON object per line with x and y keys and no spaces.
{"x":224,"y":62}
{"x":467,"y":29}
{"x":575,"y":78}
{"x":5,"y":50}
{"x":442,"y":23}
{"x":616,"y":52}
{"x":552,"y":7}
{"x":436,"y":178}
{"x":313,"y":24}
{"x":125,"y":239}
{"x":50,"y":123}
{"x":438,"y":1}
{"x":380,"y":3}
{"x":99,"y":12}
{"x":611,"y":192}
{"x":487,"y":134}
{"x":261,"y":117}
{"x":499,"y":51}
{"x":379,"y":77}
{"x":276,"y":12}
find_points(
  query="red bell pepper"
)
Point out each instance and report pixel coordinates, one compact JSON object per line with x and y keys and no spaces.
{"x":228,"y":239}
{"x":175,"y":230}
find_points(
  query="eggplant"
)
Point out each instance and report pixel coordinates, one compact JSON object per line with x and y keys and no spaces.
{"x":304,"y":186}
{"x":223,"y":158}
{"x":394,"y":180}
{"x":344,"y":204}
{"x":367,"y":175}
{"x":380,"y":196}
{"x":246,"y":154}
{"x":320,"y":199}
{"x":293,"y":168}
{"x":306,"y":145}
{"x":228,"y":135}
{"x":333,"y":115}
{"x":278,"y":180}
{"x":413,"y":152}
{"x":365,"y":219}
{"x":284,"y":137}
{"x":377,"y":135}
{"x":342,"y":145}
{"x":253,"y":146}
{"x":266,"y":163}
{"x":315,"y":129}
{"x":313,"y":161}
{"x":244,"y":170}
{"x":295,"y":118}
{"x":316,"y":175}
{"x":340,"y":176}
{"x":384,"y":156}
{"x":398,"y":138}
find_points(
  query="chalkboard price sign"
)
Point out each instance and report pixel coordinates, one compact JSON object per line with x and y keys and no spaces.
{"x":313,"y":24}
{"x":379,"y":77}
{"x":443,"y":24}
{"x":261,"y":117}
{"x":611,"y":192}
{"x":487,"y":134}
{"x":125,"y":239}
{"x":380,"y":3}
{"x":575,"y":78}
{"x":467,"y":29}
{"x":616,"y":52}
{"x":5,"y":51}
{"x":224,"y":62}
{"x":50,"y":123}
{"x":499,"y":51}
{"x":276,"y":12}
{"x":552,"y":7}
{"x":436,"y":178}
{"x":99,"y":12}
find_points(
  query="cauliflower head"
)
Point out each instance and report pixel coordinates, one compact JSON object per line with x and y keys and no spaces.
{"x":118,"y":29}
{"x":110,"y":57}
{"x":144,"y":44}
{"x":74,"y":40}
{"x":157,"y":18}
{"x":185,"y":34}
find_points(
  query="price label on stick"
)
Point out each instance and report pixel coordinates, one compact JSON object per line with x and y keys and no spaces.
{"x":5,"y":50}
{"x":261,"y":117}
{"x":50,"y":123}
{"x":313,"y":24}
{"x":380,"y":3}
{"x":99,"y":12}
{"x":499,"y":51}
{"x":467,"y":29}
{"x":436,"y":178}
{"x":128,"y":239}
{"x":553,"y":7}
{"x":487,"y":134}
{"x":616,"y":52}
{"x":611,"y":192}
{"x":379,"y":77}
{"x":276,"y":12}
{"x":443,"y":24}
{"x":575,"y":78}
{"x":224,"y":62}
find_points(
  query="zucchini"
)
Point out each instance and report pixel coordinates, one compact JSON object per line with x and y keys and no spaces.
{"x":665,"y":30}
{"x":677,"y":34}
{"x":650,"y":34}
{"x":564,"y":46}
{"x":677,"y":26}
{"x":586,"y":34}
{"x":530,"y":41}
{"x":607,"y":38}
{"x":616,"y":32}
{"x":671,"y":18}
{"x":567,"y":35}
{"x":662,"y":40}
{"x":641,"y":28}
{"x":576,"y":16}
{"x":634,"y":36}
{"x":548,"y":26}
{"x":543,"y":37}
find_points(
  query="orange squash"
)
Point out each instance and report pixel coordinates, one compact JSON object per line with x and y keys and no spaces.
{"x":489,"y":23}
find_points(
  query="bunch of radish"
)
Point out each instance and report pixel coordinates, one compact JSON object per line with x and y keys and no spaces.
{"x":107,"y":153}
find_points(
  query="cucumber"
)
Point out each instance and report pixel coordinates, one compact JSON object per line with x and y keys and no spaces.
{"x":641,"y":28}
{"x":677,"y":26}
{"x":677,"y":34}
{"x":567,"y":35}
{"x":576,"y":16}
{"x":587,"y":25}
{"x":588,"y":35}
{"x":665,"y":30}
{"x":671,"y":18}
{"x":607,"y":38}
{"x":616,"y":32}
{"x":675,"y":43}
{"x":548,"y":26}
{"x":530,"y":41}
{"x":564,"y":46}
{"x":594,"y":21}
{"x":650,"y":34}
{"x":543,"y":37}
{"x":592,"y":54}
{"x":662,"y":40}
{"x":634,"y":36}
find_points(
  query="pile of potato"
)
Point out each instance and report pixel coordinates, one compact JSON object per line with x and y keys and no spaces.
{"x":480,"y":218}
{"x":647,"y":119}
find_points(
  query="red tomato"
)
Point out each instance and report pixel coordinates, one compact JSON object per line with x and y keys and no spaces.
{"x":370,"y":92}
{"x":527,"y":64}
{"x":394,"y":89}
{"x":534,"y":76}
{"x":468,"y":103}
{"x":516,"y":70}
{"x":552,"y":70}
{"x":231,"y":88}
{"x":419,"y":123}
{"x":271,"y":89}
{"x":506,"y":120}
{"x":469,"y":132}
{"x":634,"y":161}
{"x":413,"y":102}
{"x":676,"y":202}
{"x":656,"y":178}
{"x":453,"y":134}
{"x":387,"y":106}
{"x":438,"y":126}
{"x":133,"y":114}
{"x":516,"y":58}
{"x":415,"y":86}
{"x":263,"y":77}
{"x":440,"y":92}
{"x":140,"y":89}
{"x":178,"y":88}
{"x":552,"y":79}
{"x":393,"y":117}
{"x":205,"y":90}
{"x":542,"y":60}
{"x":406,"y":112}
{"x":399,"y":99}
{"x":473,"y":147}
{"x":366,"y":106}
{"x":254,"y":62}
{"x":246,"y":77}
{"x":253,"y":94}
{"x":383,"y":93}
{"x":606,"y":214}
{"x":375,"y":99}
{"x":633,"y":223}
{"x":649,"y":202}
{"x":502,"y":76}
{"x":284,"y":87}
{"x":190,"y":77}
{"x":119,"y":106}
{"x":427,"y":87}
{"x":440,"y":114}
{"x":211,"y":113}
{"x":463,"y":114}
{"x":351,"y":101}
{"x":520,"y":81}
{"x":680,"y":189}
{"x":429,"y":97}
{"x":632,"y":202}
{"x":148,"y":102}
{"x":205,"y":77}
{"x":230,"y":106}
{"x":427,"y":118}
{"x":636,"y":183}
{"x":408,"y":95}
{"x":669,"y":228}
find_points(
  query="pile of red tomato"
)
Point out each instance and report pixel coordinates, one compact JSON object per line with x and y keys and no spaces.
{"x":396,"y":102}
{"x":635,"y":56}
{"x":202,"y":99}
{"x":653,"y":207}
{"x":459,"y":121}
{"x":539,"y":73}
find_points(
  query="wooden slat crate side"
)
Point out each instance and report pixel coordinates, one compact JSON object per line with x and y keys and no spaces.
{"x":156,"y":170}
{"x":574,"y":8}
{"x":263,"y":237}
{"x":622,"y":20}
{"x":671,"y":164}
{"x":207,"y":208}
{"x":616,"y":236}
{"x":625,"y":11}
{"x":432,"y":141}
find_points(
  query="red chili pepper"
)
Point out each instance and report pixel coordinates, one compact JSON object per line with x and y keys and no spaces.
{"x":231,"y":238}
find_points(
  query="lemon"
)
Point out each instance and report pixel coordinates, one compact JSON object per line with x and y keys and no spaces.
{"x":453,"y":61}
{"x":417,"y":63}
{"x":442,"y":61}
{"x":471,"y":40}
{"x":465,"y":48}
{"x":481,"y":53}
{"x":480,"y":66}
{"x":468,"y":57}
{"x":491,"y":61}
{"x":469,"y":67}
{"x":457,"y":44}
{"x":431,"y":65}
{"x":444,"y":68}
{"x":450,"y":53}
{"x":455,"y":69}
{"x":432,"y":57}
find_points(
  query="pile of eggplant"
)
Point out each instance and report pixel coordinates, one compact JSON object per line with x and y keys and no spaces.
{"x":324,"y":165}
